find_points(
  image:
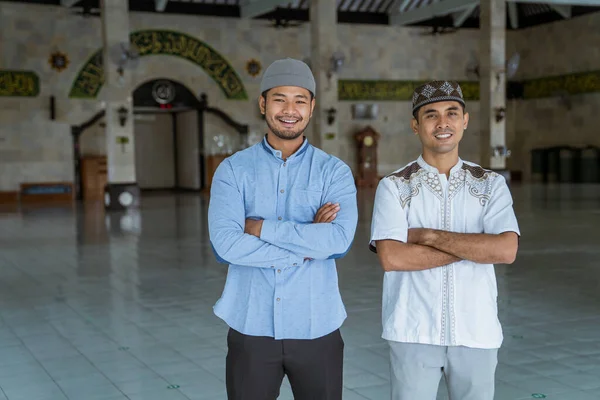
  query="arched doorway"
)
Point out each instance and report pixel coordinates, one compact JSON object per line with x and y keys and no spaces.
{"x":169,"y":136}
{"x":172,"y":100}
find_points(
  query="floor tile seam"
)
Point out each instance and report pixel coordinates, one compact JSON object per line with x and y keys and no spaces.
{"x":34,"y":357}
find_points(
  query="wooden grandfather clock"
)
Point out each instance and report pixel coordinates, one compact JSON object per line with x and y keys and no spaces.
{"x":367,"y":175}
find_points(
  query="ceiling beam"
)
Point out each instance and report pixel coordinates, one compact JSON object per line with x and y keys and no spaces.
{"x":430,"y":11}
{"x":460,"y":17}
{"x":564,"y":11}
{"x":513,"y":15}
{"x":251,"y":9}
{"x":160,"y":5}
{"x":589,"y":3}
{"x":398,"y":6}
{"x":68,"y":3}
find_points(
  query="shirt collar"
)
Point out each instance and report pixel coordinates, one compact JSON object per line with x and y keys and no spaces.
{"x":433,"y":169}
{"x":277,"y":153}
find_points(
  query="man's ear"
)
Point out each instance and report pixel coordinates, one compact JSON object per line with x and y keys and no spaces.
{"x":414,"y":125}
{"x":312,"y":106}
{"x":262,"y":104}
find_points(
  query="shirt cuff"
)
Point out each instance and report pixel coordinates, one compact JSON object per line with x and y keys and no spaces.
{"x":296,"y":261}
{"x":504,"y":230}
{"x":399,"y":235}
{"x":268,"y":231}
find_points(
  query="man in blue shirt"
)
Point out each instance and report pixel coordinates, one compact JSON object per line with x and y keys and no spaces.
{"x":280,"y":213}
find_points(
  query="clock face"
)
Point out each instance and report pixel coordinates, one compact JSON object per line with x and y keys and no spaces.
{"x":368,"y":141}
{"x":163,"y":92}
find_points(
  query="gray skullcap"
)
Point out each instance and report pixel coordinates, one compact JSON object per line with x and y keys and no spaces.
{"x":436,"y":91}
{"x":288,"y":72}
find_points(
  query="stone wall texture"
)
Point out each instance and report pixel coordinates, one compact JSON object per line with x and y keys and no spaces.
{"x":34,"y":148}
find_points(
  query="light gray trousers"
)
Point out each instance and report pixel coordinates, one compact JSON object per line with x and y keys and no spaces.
{"x":416,"y":370}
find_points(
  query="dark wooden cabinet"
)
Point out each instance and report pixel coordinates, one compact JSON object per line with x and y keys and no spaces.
{"x":94,"y":176}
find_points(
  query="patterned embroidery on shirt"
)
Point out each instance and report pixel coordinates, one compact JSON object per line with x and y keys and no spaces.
{"x":407,"y":191}
{"x":479,"y":182}
{"x":444,"y":304}
{"x":456,"y":182}
{"x":432,"y":181}
{"x":451,"y":303}
{"x":476,"y":171}
{"x":407,"y":188}
{"x":407,"y":172}
{"x":447,"y":287}
{"x":409,"y":181}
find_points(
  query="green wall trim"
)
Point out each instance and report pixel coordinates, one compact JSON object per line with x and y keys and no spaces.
{"x":390,"y":90}
{"x":15,"y":83}
{"x":90,"y":78}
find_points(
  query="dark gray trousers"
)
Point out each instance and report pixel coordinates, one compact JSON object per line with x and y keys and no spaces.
{"x":256,"y":366}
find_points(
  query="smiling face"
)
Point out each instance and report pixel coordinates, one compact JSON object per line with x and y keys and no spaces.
{"x":440,"y":126}
{"x":287,"y":111}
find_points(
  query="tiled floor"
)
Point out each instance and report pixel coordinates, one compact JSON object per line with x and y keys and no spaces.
{"x":106,"y":309}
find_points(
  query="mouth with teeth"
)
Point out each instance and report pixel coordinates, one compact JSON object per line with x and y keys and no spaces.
{"x":443,"y":135}
{"x":288,"y":122}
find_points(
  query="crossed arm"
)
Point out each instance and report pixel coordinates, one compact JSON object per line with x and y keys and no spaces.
{"x":400,"y":248}
{"x":326,"y":214}
{"x":430,"y":248}
{"x":241,"y":241}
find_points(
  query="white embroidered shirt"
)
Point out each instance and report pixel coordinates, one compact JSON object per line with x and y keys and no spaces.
{"x":453,"y":305}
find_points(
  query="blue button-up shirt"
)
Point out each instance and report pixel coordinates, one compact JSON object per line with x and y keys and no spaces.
{"x":271,"y":288}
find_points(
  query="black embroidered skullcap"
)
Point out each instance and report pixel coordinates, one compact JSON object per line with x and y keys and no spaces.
{"x":436,"y":91}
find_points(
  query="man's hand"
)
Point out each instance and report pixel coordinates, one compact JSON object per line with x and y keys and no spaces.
{"x":327,"y":213}
{"x":253,"y":227}
{"x":422,"y":236}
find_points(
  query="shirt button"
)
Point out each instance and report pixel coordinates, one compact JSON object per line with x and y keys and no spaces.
{"x":279,"y":271}
{"x":278,"y":299}
{"x":279,"y":218}
{"x":282,"y":190}
{"x":284,"y":164}
{"x":295,"y":264}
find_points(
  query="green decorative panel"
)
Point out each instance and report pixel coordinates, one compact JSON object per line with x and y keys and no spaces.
{"x":162,"y":42}
{"x":586,"y":82}
{"x":364,"y":90}
{"x":19,"y":83}
{"x":376,"y":90}
{"x":90,"y":79}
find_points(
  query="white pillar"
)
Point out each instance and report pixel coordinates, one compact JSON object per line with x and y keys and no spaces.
{"x":324,"y":43}
{"x":493,"y":82}
{"x":122,"y":191}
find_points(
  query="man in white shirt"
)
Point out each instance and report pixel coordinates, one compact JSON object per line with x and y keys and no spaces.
{"x":439,"y":224}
